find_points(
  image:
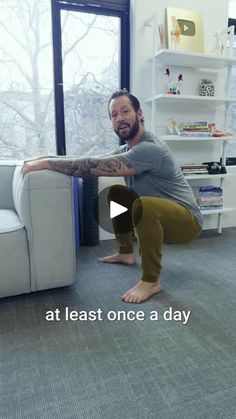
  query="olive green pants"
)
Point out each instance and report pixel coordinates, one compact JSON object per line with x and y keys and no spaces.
{"x":155,"y":221}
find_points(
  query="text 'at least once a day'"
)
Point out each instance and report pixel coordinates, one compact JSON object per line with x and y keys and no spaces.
{"x":66,"y":314}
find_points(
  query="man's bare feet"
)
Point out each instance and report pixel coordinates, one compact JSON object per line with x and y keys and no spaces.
{"x":141,"y":292}
{"x":126,"y":258}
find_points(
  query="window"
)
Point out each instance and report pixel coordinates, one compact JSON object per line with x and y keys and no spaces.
{"x":91,"y":60}
{"x":26,"y":79}
{"x":90,"y":57}
{"x":34,"y":103}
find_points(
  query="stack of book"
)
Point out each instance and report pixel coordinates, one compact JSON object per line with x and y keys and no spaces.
{"x":210,"y":197}
{"x":195,"y":129}
{"x":194,"y":169}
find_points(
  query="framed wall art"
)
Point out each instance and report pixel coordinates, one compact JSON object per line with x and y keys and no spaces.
{"x":184,"y":30}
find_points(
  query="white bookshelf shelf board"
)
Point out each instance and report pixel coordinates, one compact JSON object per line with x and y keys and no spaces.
{"x":205,"y":176}
{"x":212,"y":139}
{"x":217,"y":211}
{"x":165,"y":98}
{"x":189,"y":59}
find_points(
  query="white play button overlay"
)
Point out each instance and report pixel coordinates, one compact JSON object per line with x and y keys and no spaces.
{"x":116,"y":209}
{"x":114,"y":205}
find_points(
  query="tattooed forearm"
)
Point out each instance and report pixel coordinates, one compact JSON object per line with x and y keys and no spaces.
{"x":71,"y":167}
{"x":109,"y":166}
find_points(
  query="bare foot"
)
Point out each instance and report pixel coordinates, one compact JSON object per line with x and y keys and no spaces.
{"x":141,"y":292}
{"x":126,"y":258}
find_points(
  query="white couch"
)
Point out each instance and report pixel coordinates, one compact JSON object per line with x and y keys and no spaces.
{"x":37,"y":240}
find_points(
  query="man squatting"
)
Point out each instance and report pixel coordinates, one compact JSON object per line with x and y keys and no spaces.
{"x":169,"y":212}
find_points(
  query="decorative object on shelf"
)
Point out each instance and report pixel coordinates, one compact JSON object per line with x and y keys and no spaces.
{"x":212,"y":127}
{"x":225,"y":41}
{"x":173,"y":127}
{"x":173,"y":85}
{"x":184,"y":30}
{"x":206,"y":88}
{"x":220,"y":44}
{"x":161,"y":35}
{"x":216,"y":167}
{"x":218,"y":133}
{"x":175,"y":33}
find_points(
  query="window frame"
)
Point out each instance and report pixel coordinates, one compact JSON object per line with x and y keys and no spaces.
{"x":232,"y":22}
{"x":117,"y":8}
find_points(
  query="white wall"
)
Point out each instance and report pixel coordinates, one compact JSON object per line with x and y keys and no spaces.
{"x":215,"y":16}
{"x":232,"y":9}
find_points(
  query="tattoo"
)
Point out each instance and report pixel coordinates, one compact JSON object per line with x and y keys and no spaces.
{"x":109,"y":166}
{"x":71,"y":167}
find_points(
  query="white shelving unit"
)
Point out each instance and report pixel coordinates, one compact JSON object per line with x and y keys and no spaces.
{"x":174,"y":58}
{"x":190,"y":98}
{"x":217,"y":211}
{"x":191,"y":59}
{"x":211,"y":139}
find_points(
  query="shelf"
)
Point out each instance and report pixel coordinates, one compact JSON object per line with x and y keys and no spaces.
{"x":207,"y":176}
{"x":165,"y":98}
{"x":217,"y":211}
{"x":179,"y":138}
{"x":163,"y":103}
{"x":190,"y":59}
{"x":204,"y":176}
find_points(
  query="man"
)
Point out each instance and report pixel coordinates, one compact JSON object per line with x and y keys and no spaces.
{"x":165,"y":210}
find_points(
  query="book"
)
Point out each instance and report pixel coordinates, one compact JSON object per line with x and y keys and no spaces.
{"x":194,"y":134}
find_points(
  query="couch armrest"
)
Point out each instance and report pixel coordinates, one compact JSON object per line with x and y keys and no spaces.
{"x":7,"y":169}
{"x":44,"y":203}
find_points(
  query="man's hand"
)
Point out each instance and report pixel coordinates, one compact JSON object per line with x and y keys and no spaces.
{"x":32,"y":166}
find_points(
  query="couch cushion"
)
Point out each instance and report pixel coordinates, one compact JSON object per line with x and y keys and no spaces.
{"x":14,"y":262}
{"x":9,"y":221}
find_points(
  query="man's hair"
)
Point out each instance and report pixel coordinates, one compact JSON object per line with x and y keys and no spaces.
{"x":134,"y":101}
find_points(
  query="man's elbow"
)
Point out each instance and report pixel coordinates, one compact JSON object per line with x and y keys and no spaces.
{"x":128,"y":172}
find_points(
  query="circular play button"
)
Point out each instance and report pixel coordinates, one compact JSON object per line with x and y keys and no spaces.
{"x":113,"y":208}
{"x":116,"y":209}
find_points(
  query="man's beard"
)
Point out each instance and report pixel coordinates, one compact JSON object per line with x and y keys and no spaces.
{"x":132,"y":132}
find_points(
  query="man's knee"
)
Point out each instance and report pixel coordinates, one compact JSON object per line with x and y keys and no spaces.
{"x":117,"y":192}
{"x":141,"y":210}
{"x":148,"y":209}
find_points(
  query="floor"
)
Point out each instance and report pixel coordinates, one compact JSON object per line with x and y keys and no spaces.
{"x":159,"y":365}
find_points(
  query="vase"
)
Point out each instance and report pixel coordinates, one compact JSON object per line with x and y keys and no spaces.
{"x":206,"y":89}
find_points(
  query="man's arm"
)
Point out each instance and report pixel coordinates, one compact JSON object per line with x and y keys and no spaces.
{"x":107,"y":166}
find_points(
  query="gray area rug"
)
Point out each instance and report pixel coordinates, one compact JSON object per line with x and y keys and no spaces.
{"x":111,"y":369}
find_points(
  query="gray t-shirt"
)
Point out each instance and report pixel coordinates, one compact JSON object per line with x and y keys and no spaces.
{"x":158,"y":174}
